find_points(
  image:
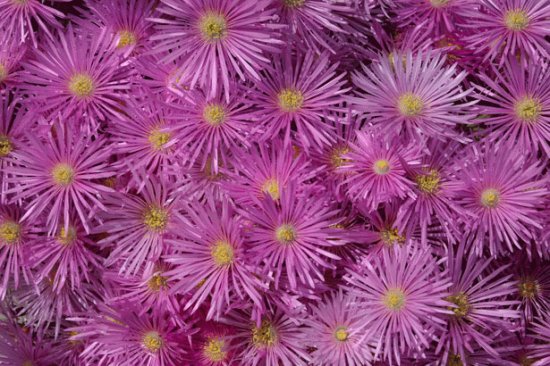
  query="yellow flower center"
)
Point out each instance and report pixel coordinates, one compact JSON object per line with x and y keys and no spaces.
{"x":394,"y":299}
{"x":66,"y":237}
{"x":265,"y":335}
{"x":285,"y":234}
{"x":454,"y":360}
{"x":214,"y":350}
{"x":213,"y":27}
{"x":158,"y":139}
{"x":3,"y":72}
{"x":293,"y":3}
{"x":528,"y":109}
{"x":337,"y":156}
{"x":155,"y":218}
{"x":391,"y":237}
{"x":490,"y":198}
{"x":341,"y":334}
{"x":214,"y":114}
{"x":10,"y":232}
{"x":222,"y":253}
{"x":290,"y":100}
{"x":62,"y":174}
{"x":462,"y":305}
{"x":152,"y":341}
{"x":5,"y":146}
{"x":271,"y":187}
{"x":381,"y":166}
{"x":439,"y":3}
{"x":428,"y":183}
{"x":157,"y":283}
{"x":525,"y":361}
{"x":516,"y":20}
{"x":81,"y":85}
{"x":126,"y":38}
{"x":410,"y":105}
{"x":529,"y":288}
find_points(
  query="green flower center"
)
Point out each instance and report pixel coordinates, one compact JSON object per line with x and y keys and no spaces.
{"x":158,"y":139}
{"x":10,"y":232}
{"x":516,"y":20}
{"x":428,"y":183}
{"x":222,"y":253}
{"x":528,"y":109}
{"x":265,"y":335}
{"x":155,"y":218}
{"x":81,"y":85}
{"x":213,"y":27}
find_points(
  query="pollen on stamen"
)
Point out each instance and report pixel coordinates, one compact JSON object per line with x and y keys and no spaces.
{"x":285,"y":234}
{"x":410,"y":105}
{"x":126,"y":38}
{"x":337,"y":156}
{"x":67,"y":237}
{"x":3,"y":72}
{"x":391,"y":236}
{"x":222,"y":253}
{"x":454,"y":360}
{"x":214,"y":114}
{"x":462,"y":305}
{"x":290,"y":100}
{"x":265,"y":335}
{"x":381,"y":167}
{"x":6,"y":146}
{"x":490,"y":198}
{"x":439,"y":3}
{"x":213,"y":27}
{"x":62,"y":174}
{"x":157,"y":282}
{"x":428,"y":183}
{"x":394,"y":299}
{"x":155,"y":218}
{"x":528,"y":109}
{"x":341,"y":334}
{"x":214,"y":350}
{"x":293,"y":3}
{"x":158,"y":138}
{"x":516,"y":20}
{"x":528,"y":288}
{"x":152,"y":341}
{"x":271,"y":187}
{"x":81,"y":85}
{"x":10,"y":232}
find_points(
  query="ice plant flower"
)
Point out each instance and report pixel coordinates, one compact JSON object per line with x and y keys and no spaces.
{"x":401,"y":292}
{"x":62,"y":171}
{"x":12,"y":54}
{"x":209,"y":260}
{"x":502,"y":190}
{"x":289,"y":237}
{"x":296,"y":97}
{"x":220,"y":40}
{"x":335,"y":331}
{"x":417,"y":98}
{"x":540,"y":352}
{"x":516,"y":103}
{"x":74,"y":74}
{"x":436,"y":16}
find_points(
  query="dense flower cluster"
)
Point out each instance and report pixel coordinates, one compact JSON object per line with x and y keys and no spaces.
{"x":274,"y":182}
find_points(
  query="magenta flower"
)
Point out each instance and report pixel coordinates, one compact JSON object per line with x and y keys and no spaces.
{"x":503,"y":28}
{"x":401,"y":294}
{"x":76,"y":74}
{"x":336,"y":331}
{"x":12,"y":54}
{"x":276,"y":341}
{"x":209,"y":259}
{"x":516,"y":105}
{"x":217,"y":40}
{"x":541,"y":353}
{"x":297,"y":95}
{"x":417,"y":98}
{"x":289,"y":237}
{"x":502,"y":190}
{"x":436,"y":16}
{"x":214,"y":345}
{"x":137,"y":225}
{"x":376,"y":170}
{"x":533,"y":278}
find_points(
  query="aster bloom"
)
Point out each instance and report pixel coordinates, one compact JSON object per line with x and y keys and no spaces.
{"x":502,"y":190}
{"x":541,"y":352}
{"x":312,"y":21}
{"x":376,"y":170}
{"x":122,"y":336}
{"x":78,"y":75}
{"x":15,"y":236}
{"x":299,"y":92}
{"x":275,"y":341}
{"x":214,"y":346}
{"x":18,"y":17}
{"x":158,"y":77}
{"x":335,"y":330}
{"x":509,"y":28}
{"x":533,"y":277}
{"x":438,"y":16}
{"x":12,"y":54}
{"x":209,"y":126}
{"x":137,"y":225}
{"x":217,"y":40}
{"x":62,"y":171}
{"x":417,"y":98}
{"x":209,"y":259}
{"x":289,"y":237}
{"x":516,"y":103}
{"x":401,"y":292}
